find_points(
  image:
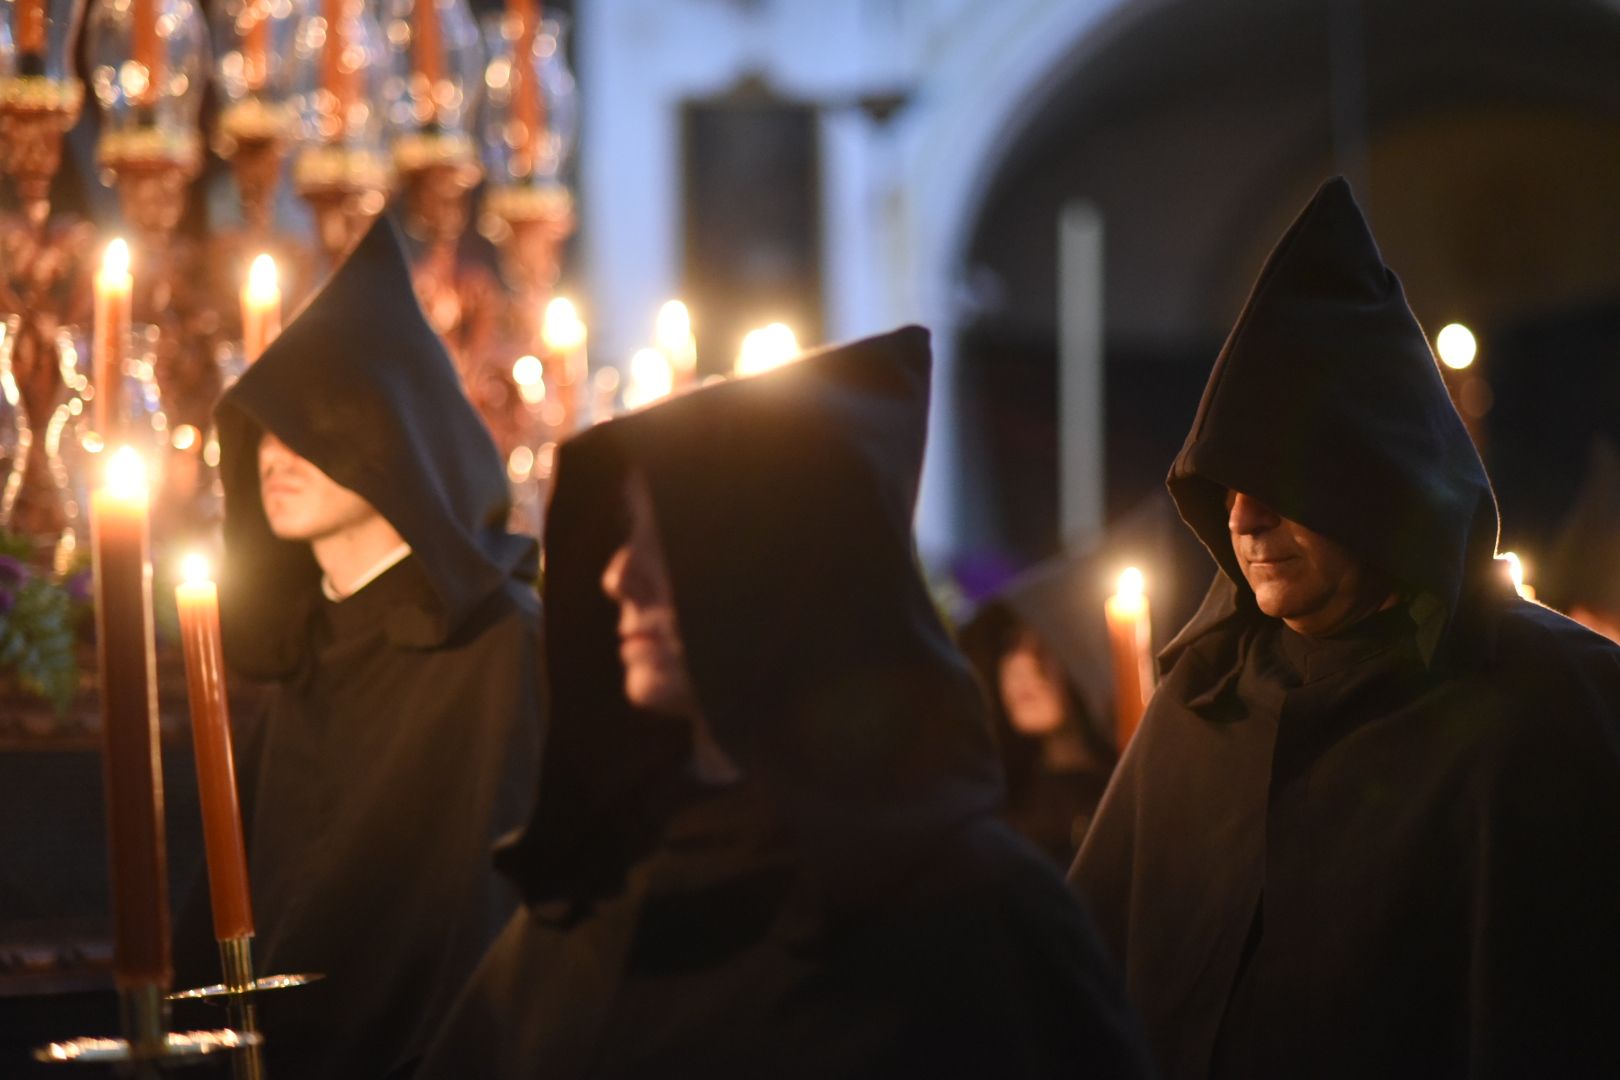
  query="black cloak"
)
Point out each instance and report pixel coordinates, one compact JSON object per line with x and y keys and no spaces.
{"x":403,"y":734}
{"x":853,"y":907}
{"x":1390,"y":852}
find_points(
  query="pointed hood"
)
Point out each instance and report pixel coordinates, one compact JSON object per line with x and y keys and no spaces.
{"x":360,"y":385}
{"x":1584,"y":568}
{"x":1326,"y":404}
{"x":784,"y":505}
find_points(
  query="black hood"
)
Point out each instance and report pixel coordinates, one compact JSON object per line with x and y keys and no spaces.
{"x":1062,"y":600}
{"x":360,"y":385}
{"x":1584,"y":568}
{"x":784,"y":503}
{"x":1326,"y":404}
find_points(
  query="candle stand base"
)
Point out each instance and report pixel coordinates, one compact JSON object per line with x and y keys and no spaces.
{"x":148,"y":1048}
{"x":238,"y":992}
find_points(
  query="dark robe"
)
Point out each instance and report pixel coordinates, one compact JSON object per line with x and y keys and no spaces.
{"x":1390,"y":852}
{"x":402,"y":736}
{"x":853,"y":907}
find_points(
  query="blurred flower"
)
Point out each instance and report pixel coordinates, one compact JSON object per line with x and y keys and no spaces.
{"x":13,"y":571}
{"x":79,"y":586}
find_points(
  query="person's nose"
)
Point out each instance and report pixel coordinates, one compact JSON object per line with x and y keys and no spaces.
{"x":1247,"y":515}
{"x":273,"y":454}
{"x":625,"y":579}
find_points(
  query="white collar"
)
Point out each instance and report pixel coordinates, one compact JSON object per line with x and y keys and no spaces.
{"x":382,"y":566}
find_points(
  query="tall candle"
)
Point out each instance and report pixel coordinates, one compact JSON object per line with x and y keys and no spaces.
{"x":673,"y":332}
{"x":1130,"y":642}
{"x":147,"y":47}
{"x":132,"y":768}
{"x":30,"y":26}
{"x":255,"y":42}
{"x":198,"y":602}
{"x":337,"y":74}
{"x":113,"y":286}
{"x":528,"y":105}
{"x":261,"y":307}
{"x":563,"y":334}
{"x":429,"y":45}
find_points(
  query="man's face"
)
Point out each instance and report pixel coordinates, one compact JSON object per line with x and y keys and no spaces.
{"x":300,"y":501}
{"x":637,"y":579}
{"x":1311,"y":583}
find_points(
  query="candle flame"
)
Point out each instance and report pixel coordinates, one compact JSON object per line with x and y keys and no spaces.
{"x":115,"y":260}
{"x":673,"y":332}
{"x":194,"y":569}
{"x":527,"y":370}
{"x":126,"y":474}
{"x":562,"y":329}
{"x":651,"y":378}
{"x":1456,"y":346}
{"x":766,"y":348}
{"x":1516,"y":574}
{"x":262,"y":285}
{"x":1131,"y":584}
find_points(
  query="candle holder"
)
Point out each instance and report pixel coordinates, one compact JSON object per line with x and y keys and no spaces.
{"x":43,"y":265}
{"x":238,"y":993}
{"x":39,"y":95}
{"x":339,"y":77}
{"x":530,"y":124}
{"x":148,"y":1049}
{"x":254,"y":46}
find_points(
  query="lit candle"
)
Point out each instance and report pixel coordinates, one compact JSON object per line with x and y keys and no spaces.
{"x":766,"y":348}
{"x":261,"y":307}
{"x":113,"y":286}
{"x":30,"y":26}
{"x":1130,"y":641}
{"x":564,"y":336}
{"x":198,"y":602}
{"x":132,"y":768}
{"x":673,"y":332}
{"x":1516,"y":574}
{"x":146,"y":48}
{"x":652,"y":378}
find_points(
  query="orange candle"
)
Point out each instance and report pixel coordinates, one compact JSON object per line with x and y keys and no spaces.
{"x":429,"y":45}
{"x":1130,"y":643}
{"x":673,"y":332}
{"x":132,"y":768}
{"x":255,"y":42}
{"x":563,"y":335}
{"x":198,"y":601}
{"x":261,"y":307}
{"x":113,"y":286}
{"x":528,"y":106}
{"x":337,"y":77}
{"x":147,"y":47}
{"x":30,"y":26}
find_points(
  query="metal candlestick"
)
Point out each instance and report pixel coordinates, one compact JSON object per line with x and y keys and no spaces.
{"x":148,"y":1048}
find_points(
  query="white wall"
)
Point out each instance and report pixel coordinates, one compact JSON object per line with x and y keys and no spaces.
{"x":901,"y":197}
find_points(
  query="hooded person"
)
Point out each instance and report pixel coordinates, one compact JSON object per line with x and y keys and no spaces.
{"x":371,"y":579}
{"x":766,"y":841}
{"x":1583,"y":573}
{"x":1040,"y":646}
{"x":1368,"y":824}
